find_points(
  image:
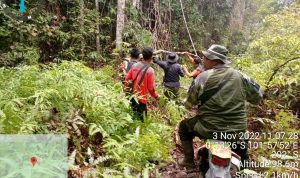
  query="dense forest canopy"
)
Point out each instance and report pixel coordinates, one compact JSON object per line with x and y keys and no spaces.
{"x":71,"y":29}
{"x":59,"y":61}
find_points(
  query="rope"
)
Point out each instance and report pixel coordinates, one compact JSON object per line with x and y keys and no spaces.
{"x":187,"y":28}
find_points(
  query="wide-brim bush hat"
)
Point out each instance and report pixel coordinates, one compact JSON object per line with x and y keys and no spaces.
{"x":217,"y":52}
{"x":172,"y":57}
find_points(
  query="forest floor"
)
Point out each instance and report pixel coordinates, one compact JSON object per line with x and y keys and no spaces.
{"x":173,"y":170}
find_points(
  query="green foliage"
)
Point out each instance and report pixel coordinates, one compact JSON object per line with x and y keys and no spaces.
{"x":236,"y":42}
{"x":175,"y":111}
{"x":34,"y":92}
{"x":70,"y":37}
{"x":267,"y":7}
{"x":139,"y":149}
{"x":148,"y":145}
{"x":276,"y":41}
{"x":217,"y":15}
{"x":136,"y":35}
{"x":179,"y":35}
{"x":280,"y":143}
{"x":68,"y":97}
{"x":28,"y":55}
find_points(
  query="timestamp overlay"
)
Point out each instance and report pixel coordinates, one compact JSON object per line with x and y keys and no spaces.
{"x":273,"y":154}
{"x":30,"y":156}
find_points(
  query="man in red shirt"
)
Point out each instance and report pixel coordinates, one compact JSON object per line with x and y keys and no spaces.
{"x":142,"y":76}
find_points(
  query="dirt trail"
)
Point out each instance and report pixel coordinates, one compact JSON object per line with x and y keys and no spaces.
{"x":173,"y":170}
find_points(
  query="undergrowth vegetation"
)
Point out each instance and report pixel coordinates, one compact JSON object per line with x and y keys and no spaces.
{"x":273,"y":59}
{"x":91,"y":107}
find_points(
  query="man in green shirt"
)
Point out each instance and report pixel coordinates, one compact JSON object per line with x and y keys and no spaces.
{"x":220,"y":92}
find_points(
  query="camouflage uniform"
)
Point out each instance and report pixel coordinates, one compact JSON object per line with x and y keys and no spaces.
{"x":225,"y":110}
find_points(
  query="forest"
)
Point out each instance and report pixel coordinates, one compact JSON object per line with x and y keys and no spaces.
{"x":60,"y":74}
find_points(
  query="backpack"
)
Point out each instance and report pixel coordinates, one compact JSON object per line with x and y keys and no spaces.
{"x":131,"y":83}
{"x":130,"y":64}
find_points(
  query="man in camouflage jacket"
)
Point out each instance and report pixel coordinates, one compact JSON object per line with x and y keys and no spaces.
{"x":220,"y":93}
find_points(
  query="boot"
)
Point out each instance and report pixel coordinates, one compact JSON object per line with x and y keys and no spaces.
{"x":188,"y":151}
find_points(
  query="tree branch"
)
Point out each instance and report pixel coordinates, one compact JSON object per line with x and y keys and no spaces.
{"x":278,"y":68}
{"x":178,"y":53}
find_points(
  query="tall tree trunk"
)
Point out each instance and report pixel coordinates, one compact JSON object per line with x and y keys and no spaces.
{"x":97,"y":27}
{"x":136,"y":3}
{"x":237,"y":16}
{"x":120,"y":23}
{"x":82,"y":26}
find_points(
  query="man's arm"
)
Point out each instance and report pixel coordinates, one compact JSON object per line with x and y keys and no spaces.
{"x":128,"y":77}
{"x":122,"y":67}
{"x":180,"y":70}
{"x":191,"y":59}
{"x":159,"y":62}
{"x":254,"y":93}
{"x":197,"y":88}
{"x":195,"y":91}
{"x":194,"y":73}
{"x":150,"y":85}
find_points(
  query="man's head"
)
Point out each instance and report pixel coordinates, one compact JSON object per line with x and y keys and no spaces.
{"x":147,"y":53}
{"x":134,"y":53}
{"x":197,"y":60}
{"x":172,"y":58}
{"x":215,"y":55}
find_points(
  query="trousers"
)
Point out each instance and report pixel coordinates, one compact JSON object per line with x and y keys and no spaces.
{"x":187,"y":132}
{"x":139,"y":109}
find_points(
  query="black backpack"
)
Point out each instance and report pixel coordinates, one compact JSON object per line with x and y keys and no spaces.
{"x":130,"y":64}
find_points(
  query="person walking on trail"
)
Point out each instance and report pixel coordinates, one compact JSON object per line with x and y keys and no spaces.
{"x":172,"y":71}
{"x":134,"y":58}
{"x":221,"y":93}
{"x":142,"y":76}
{"x":198,"y":68}
{"x":126,"y":65}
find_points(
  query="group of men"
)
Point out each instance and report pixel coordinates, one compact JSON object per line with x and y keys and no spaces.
{"x":219,"y":91}
{"x":172,"y":72}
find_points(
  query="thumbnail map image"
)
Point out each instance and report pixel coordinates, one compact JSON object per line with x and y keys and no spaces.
{"x":33,"y":156}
